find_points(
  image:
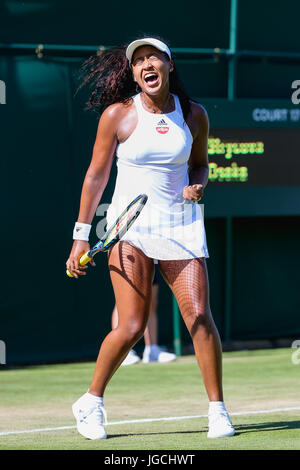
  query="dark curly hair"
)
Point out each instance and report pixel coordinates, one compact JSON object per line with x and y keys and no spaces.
{"x":109,"y":76}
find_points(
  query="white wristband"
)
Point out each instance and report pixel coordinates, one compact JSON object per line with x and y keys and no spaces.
{"x":81,"y":231}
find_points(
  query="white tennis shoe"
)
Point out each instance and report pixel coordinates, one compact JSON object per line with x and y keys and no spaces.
{"x":155,"y":354}
{"x":131,"y":358}
{"x":219,"y":424}
{"x":89,"y":414}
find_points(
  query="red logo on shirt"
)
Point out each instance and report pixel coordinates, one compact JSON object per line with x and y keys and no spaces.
{"x":162,"y":127}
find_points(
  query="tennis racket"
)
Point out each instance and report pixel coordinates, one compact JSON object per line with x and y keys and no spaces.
{"x":117,"y":230}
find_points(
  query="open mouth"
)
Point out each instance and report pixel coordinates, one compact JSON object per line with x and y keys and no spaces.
{"x":151,"y":78}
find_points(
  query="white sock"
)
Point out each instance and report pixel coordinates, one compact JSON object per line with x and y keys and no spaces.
{"x":94,"y":398}
{"x":150,"y":348}
{"x":216,"y":406}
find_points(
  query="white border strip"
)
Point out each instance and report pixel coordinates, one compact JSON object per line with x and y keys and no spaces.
{"x":152,"y":420}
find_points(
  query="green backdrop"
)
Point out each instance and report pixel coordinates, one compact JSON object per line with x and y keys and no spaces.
{"x":46,"y":145}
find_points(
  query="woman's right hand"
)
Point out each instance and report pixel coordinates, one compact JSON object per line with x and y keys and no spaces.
{"x":78,"y":249}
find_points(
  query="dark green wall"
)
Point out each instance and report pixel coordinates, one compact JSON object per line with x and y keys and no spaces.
{"x":192,"y":24}
{"x":46,"y":145}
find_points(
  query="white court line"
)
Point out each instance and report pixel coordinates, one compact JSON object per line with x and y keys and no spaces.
{"x":152,"y":420}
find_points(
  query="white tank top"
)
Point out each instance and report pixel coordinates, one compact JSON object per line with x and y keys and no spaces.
{"x":154,"y":160}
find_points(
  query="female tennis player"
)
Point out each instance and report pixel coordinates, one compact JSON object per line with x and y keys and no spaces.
{"x":160,"y":139}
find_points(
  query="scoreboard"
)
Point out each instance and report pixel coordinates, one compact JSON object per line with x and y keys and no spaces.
{"x":254,"y":158}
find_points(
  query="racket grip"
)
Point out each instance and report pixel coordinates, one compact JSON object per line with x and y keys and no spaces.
{"x":83,"y":261}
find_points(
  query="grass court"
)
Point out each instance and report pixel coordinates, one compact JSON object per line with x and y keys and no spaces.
{"x":155,"y":406}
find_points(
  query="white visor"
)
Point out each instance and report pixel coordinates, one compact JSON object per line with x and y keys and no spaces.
{"x":161,"y":46}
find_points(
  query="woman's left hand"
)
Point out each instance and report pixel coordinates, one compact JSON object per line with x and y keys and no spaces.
{"x":193,"y":193}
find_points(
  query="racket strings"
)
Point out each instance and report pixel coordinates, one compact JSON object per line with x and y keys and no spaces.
{"x":123,"y":223}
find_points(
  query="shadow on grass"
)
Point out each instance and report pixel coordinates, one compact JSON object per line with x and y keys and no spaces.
{"x":240,"y":429}
{"x":135,"y":434}
{"x":268,"y":426}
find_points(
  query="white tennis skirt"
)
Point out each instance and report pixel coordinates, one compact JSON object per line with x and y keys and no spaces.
{"x":166,"y":233}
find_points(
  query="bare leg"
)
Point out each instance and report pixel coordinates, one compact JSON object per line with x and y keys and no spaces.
{"x":114,"y":318}
{"x":150,"y":335}
{"x":188,"y":280}
{"x":131,"y":275}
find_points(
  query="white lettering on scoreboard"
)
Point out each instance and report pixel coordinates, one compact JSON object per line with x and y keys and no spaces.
{"x":276,"y":115}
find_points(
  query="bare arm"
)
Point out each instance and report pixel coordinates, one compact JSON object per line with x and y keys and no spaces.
{"x":98,"y":172}
{"x":95,"y":181}
{"x":198,"y":162}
